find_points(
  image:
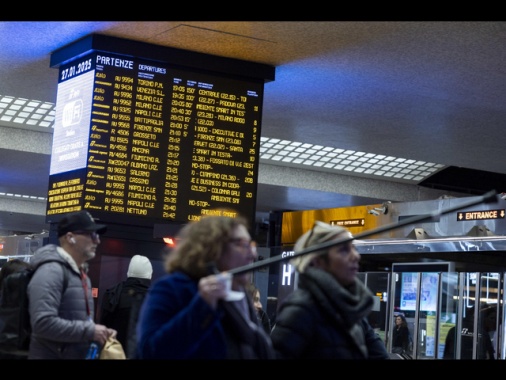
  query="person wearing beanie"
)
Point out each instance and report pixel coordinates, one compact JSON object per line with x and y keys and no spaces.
{"x":121,"y":303}
{"x":325,"y":317}
{"x":140,"y":267}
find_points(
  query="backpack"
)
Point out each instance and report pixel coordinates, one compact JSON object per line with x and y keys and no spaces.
{"x":114,"y":306}
{"x":15,"y":328}
{"x":112,"y":297}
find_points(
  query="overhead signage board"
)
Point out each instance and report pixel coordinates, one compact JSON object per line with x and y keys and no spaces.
{"x":480,"y":215}
{"x":143,"y":141}
{"x":348,"y":222}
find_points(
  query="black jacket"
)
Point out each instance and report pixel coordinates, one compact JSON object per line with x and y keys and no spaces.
{"x":264,"y":320}
{"x":401,"y":339}
{"x":120,"y":310}
{"x":323,"y":320}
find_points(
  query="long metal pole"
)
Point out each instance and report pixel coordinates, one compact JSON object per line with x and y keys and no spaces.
{"x":489,"y":197}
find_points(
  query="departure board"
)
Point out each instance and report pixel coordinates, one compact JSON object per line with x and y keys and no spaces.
{"x":140,"y":141}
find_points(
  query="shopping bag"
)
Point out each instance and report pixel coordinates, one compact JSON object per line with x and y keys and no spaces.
{"x":112,"y":350}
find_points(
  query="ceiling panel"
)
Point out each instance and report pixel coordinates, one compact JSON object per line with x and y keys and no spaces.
{"x":428,"y":91}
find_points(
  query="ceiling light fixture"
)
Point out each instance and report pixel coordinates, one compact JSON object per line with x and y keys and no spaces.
{"x":297,"y":154}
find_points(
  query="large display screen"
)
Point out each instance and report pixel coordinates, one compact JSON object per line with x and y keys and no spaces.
{"x":140,"y":142}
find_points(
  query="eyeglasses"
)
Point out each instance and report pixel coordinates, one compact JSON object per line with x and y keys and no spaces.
{"x":244,"y":244}
{"x":94,"y":235}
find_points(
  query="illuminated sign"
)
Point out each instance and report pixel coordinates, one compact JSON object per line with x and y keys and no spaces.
{"x":139,"y":141}
{"x":480,"y":215}
{"x":348,"y":222}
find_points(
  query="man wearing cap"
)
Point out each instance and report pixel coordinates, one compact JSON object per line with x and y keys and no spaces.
{"x":121,"y":303}
{"x":326,"y":316}
{"x":60,"y":299}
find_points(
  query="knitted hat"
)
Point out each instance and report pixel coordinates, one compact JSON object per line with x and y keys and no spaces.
{"x":140,"y":267}
{"x":320,"y":233}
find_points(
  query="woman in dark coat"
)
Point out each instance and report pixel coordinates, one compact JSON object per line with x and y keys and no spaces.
{"x":326,"y":316}
{"x":400,"y":336}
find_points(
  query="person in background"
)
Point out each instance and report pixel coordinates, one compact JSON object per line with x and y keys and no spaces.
{"x":401,"y":340}
{"x":189,"y":313}
{"x":62,"y":320}
{"x":121,"y":303}
{"x":489,"y":317}
{"x":325,"y":317}
{"x":466,"y":339}
{"x":263,"y":318}
{"x":484,"y":347}
{"x":10,"y":267}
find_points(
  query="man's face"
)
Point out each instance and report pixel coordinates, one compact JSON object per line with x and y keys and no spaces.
{"x":86,"y":242}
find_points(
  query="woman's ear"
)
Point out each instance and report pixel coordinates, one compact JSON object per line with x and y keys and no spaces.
{"x":318,"y":262}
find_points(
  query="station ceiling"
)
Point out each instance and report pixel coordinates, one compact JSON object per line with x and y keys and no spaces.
{"x":414,"y":92}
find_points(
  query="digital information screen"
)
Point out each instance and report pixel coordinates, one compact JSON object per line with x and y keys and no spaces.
{"x":428,"y":295}
{"x":140,"y":142}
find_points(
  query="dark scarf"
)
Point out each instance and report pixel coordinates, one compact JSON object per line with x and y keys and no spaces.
{"x":346,"y":306}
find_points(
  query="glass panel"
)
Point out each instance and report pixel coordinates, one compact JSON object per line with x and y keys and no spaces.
{"x":501,"y":341}
{"x":487,"y":317}
{"x":475,"y":316}
{"x":420,"y":310}
{"x":404,"y":305}
{"x":449,"y":316}
{"x":429,"y":306}
{"x":459,"y":316}
{"x":377,"y":282}
{"x":426,"y":317}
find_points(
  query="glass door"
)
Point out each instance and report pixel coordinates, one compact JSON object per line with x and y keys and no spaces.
{"x":378,"y":282}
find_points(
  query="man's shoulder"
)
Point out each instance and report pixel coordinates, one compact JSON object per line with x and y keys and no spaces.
{"x":174,"y":284}
{"x":46,"y":253}
{"x":299,"y":296}
{"x":299,"y":303}
{"x":175,"y":279}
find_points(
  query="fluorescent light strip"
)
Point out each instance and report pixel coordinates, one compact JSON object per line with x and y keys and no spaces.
{"x":25,"y":197}
{"x":349,"y":161}
{"x":42,"y":114}
{"x":29,"y":112}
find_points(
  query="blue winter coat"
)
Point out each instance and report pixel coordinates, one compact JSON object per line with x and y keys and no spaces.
{"x":176,"y":323}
